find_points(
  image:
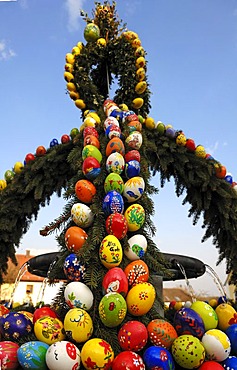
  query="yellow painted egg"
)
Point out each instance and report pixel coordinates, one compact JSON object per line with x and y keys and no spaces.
{"x":140,"y":298}
{"x":74,"y":95}
{"x":49,"y":329}
{"x":207,"y":314}
{"x":101,"y":42}
{"x":136,"y":43}
{"x":95,"y":116}
{"x":3,"y":184}
{"x":139,"y":52}
{"x":68,"y":76}
{"x":140,"y":87}
{"x":69,"y":58}
{"x":76,"y":50}
{"x":79,"y":103}
{"x":89,"y":122}
{"x":140,"y":74}
{"x":71,"y":86}
{"x":181,"y":140}
{"x":78,"y":325}
{"x":110,"y":252}
{"x":135,"y":216}
{"x":140,"y":62}
{"x":150,"y":123}
{"x":226,"y":316}
{"x":188,"y":351}
{"x":137,"y":103}
{"x":216,"y":344}
{"x":133,"y":188}
{"x":134,"y":140}
{"x":98,"y":353}
{"x":82,"y":215}
{"x":18,"y":167}
{"x":200,"y":151}
{"x":130,"y":35}
{"x":91,"y":32}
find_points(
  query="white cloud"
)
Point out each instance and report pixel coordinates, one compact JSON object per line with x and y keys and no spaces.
{"x":6,"y":52}
{"x":213,"y":148}
{"x":73,"y":8}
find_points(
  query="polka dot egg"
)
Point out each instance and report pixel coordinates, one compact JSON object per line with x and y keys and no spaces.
{"x":188,"y":351}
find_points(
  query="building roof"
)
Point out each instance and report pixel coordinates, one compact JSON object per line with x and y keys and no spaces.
{"x":21,"y":269}
{"x":181,"y":295}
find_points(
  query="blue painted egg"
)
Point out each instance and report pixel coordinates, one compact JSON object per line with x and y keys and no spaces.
{"x":231,"y":332}
{"x":31,"y":355}
{"x":187,"y":321}
{"x":228,"y":178}
{"x":91,"y":168}
{"x":73,"y":268}
{"x":14,"y":326}
{"x":170,"y":133}
{"x":132,"y":169}
{"x":53,"y":143}
{"x":113,"y":203}
{"x":230,"y":363}
{"x":156,"y":357}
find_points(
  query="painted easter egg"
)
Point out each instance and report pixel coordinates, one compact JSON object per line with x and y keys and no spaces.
{"x":110,"y":121}
{"x":226,"y":316}
{"x":90,"y":131}
{"x":140,"y":298}
{"x":116,"y":224}
{"x":115,"y":163}
{"x":112,"y":309}
{"x":49,"y":329}
{"x":43,"y":311}
{"x":14,"y":326}
{"x":187,"y":321}
{"x":85,"y":190}
{"x":98,"y":353}
{"x":73,"y":269}
{"x":92,"y":141}
{"x":115,"y":145}
{"x":134,"y":126}
{"x":91,"y":32}
{"x":207,"y":314}
{"x":3,"y":310}
{"x":91,"y":168}
{"x":132,"y":155}
{"x":230,"y":363}
{"x":135,"y":216}
{"x":231,"y":332}
{"x":188,"y":351}
{"x":75,"y":238}
{"x":63,"y":355}
{"x":158,"y":358}
{"x":217,"y":345}
{"x":113,"y":131}
{"x":211,"y":365}
{"x":116,"y":281}
{"x":200,"y":151}
{"x":8,"y":355}
{"x":91,"y":151}
{"x":137,"y":247}
{"x":161,"y":333}
{"x":113,"y":203}
{"x":133,"y":189}
{"x":82,"y":215}
{"x":128,"y":360}
{"x":78,"y":295}
{"x":136,"y":272}
{"x":132,"y":169}
{"x":78,"y":325}
{"x":134,"y":140}
{"x":114,"y":182}
{"x":110,"y":252}
{"x":31,"y":355}
{"x":132,"y":336}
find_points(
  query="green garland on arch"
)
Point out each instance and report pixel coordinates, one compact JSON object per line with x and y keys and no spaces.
{"x":211,"y":198}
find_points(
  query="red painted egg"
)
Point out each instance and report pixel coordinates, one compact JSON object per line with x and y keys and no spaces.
{"x":136,"y":272}
{"x":115,"y":145}
{"x":128,"y":360}
{"x":133,"y":336}
{"x":92,"y":140}
{"x":116,"y":224}
{"x":161,"y":333}
{"x":85,"y":190}
{"x":42,"y":312}
{"x":90,"y":131}
{"x":190,"y":145}
{"x":8,"y":355}
{"x":132,"y":155}
{"x":75,"y":238}
{"x":211,"y":365}
{"x":3,"y":310}
{"x":91,"y":168}
{"x":116,"y":281}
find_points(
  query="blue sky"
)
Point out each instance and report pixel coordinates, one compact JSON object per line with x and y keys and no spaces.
{"x":192,"y":70}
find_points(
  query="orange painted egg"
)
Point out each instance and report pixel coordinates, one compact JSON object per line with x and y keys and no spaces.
{"x":115,"y":145}
{"x":49,"y":330}
{"x":75,"y":238}
{"x":133,"y":336}
{"x":85,"y":190}
{"x":135,"y":216}
{"x":78,"y":325}
{"x":161,"y":333}
{"x":136,"y":272}
{"x":98,"y":353}
{"x":227,"y":316}
{"x":140,"y":299}
{"x":110,"y":252}
{"x":92,"y":140}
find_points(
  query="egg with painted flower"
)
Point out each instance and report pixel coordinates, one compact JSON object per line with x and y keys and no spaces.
{"x":140,"y":298}
{"x":8,"y":355}
{"x":114,"y":182}
{"x":136,"y":272}
{"x":113,"y":203}
{"x":110,"y":252}
{"x":91,"y":168}
{"x":73,"y":268}
{"x":158,"y":358}
{"x":82,"y":215}
{"x":134,"y":140}
{"x":226,"y":314}
{"x":98,"y":352}
{"x":78,"y":295}
{"x":112,"y":309}
{"x":31,"y":355}
{"x":14,"y":326}
{"x":49,"y":329}
{"x":133,"y":189}
{"x":128,"y":360}
{"x":137,"y":247}
{"x":132,"y":169}
{"x":161,"y":333}
{"x":132,"y":336}
{"x":115,"y":163}
{"x":113,"y":131}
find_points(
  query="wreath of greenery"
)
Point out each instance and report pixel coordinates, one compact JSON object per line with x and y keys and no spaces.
{"x":94,"y":70}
